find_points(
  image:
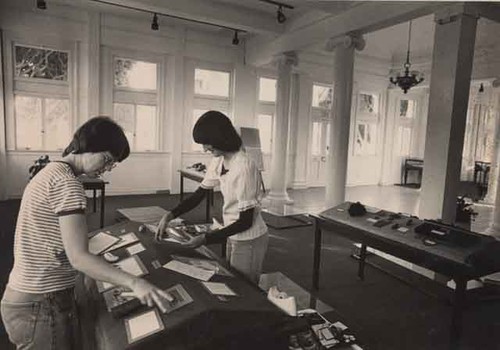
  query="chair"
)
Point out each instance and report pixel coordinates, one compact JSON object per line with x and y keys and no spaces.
{"x":412,"y":164}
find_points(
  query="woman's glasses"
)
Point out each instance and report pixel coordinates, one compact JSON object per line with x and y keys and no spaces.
{"x":109,"y":162}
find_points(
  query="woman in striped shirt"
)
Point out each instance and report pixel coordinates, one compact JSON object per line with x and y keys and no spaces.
{"x":51,"y":244}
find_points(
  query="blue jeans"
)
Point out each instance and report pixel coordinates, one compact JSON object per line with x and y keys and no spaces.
{"x":49,"y":321}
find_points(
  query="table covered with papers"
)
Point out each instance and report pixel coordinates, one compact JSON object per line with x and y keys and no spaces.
{"x":214,"y":307}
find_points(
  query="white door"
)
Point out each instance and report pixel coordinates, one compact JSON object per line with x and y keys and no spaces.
{"x":320,"y":134}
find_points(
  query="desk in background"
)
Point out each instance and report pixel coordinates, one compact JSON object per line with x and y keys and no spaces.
{"x":413,"y":164}
{"x":197,"y":176}
{"x":96,"y":184}
{"x":446,"y":259}
{"x":245,"y":321}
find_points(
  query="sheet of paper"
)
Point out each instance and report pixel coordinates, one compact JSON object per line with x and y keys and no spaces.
{"x":218,"y":288}
{"x":135,"y":249}
{"x":143,"y":325}
{"x":126,"y":239}
{"x":101,"y":242}
{"x":131,"y":265}
{"x":189,"y":270}
{"x":143,"y":214}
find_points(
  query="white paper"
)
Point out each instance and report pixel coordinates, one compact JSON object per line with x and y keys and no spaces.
{"x":135,"y":249}
{"x":100,"y":242}
{"x":371,"y":220}
{"x":189,"y":270}
{"x":126,"y":239}
{"x":107,"y":285}
{"x":131,"y":266}
{"x":143,"y":325}
{"x":403,"y":229}
{"x":218,"y":288}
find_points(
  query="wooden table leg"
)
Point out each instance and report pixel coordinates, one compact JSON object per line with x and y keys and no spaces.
{"x":456,"y":317}
{"x":362,"y":259}
{"x":182,"y":187}
{"x":94,"y":199}
{"x":207,"y":209}
{"x":103,"y":198}
{"x":317,"y":254}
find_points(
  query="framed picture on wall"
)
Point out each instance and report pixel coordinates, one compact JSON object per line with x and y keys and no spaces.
{"x":367,"y":104}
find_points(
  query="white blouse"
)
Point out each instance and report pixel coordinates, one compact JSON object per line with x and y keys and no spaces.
{"x":240,"y":187}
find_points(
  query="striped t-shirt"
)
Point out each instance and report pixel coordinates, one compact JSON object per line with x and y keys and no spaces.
{"x":40,"y":262}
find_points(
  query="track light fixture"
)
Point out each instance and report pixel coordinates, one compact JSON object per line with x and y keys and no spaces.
{"x":41,"y":4}
{"x":154,"y":23}
{"x":236,"y":40}
{"x":280,"y":16}
{"x":481,"y":88}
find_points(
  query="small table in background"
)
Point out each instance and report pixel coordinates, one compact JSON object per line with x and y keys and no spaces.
{"x":198,"y":177}
{"x":95,"y":184}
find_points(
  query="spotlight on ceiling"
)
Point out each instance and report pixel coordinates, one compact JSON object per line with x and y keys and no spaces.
{"x":481,"y":88}
{"x":41,"y":4}
{"x":236,"y":40}
{"x":280,"y":16}
{"x":154,"y":23}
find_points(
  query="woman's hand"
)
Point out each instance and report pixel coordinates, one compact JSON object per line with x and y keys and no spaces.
{"x":163,"y":225}
{"x":148,"y":294}
{"x":194,"y":242}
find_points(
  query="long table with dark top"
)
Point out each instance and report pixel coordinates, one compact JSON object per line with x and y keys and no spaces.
{"x":196,"y":176}
{"x":94,"y":185}
{"x":461,"y":255}
{"x":245,"y":321}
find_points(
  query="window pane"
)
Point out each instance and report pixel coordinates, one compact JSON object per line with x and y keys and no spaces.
{"x":124,"y":114}
{"x":403,"y":145}
{"x":145,"y":135}
{"x":316,"y":139}
{"x":28,"y":113}
{"x":196,"y":114}
{"x":135,"y":74}
{"x":367,"y":104}
{"x":210,"y":82}
{"x":267,"y":90}
{"x":407,"y":108}
{"x":57,"y":123}
{"x":34,"y":62}
{"x":265,"y":126}
{"x":366,"y":139}
{"x":322,"y":96}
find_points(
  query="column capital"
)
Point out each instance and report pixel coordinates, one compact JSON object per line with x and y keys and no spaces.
{"x":288,"y":58}
{"x":453,"y":12}
{"x":346,"y":41}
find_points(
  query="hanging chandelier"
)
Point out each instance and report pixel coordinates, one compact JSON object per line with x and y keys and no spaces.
{"x":408,"y":79}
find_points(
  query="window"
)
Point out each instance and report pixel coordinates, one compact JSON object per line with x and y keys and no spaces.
{"x":366,"y":137}
{"x":265,"y":126}
{"x":406,"y":113}
{"x":135,"y":101}
{"x":266,"y":109}
{"x":212,"y":91}
{"x":403,"y":145}
{"x":367,"y":124}
{"x":322,"y":98}
{"x":42,"y":104}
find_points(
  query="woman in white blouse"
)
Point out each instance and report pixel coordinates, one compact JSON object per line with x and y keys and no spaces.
{"x":239,"y":181}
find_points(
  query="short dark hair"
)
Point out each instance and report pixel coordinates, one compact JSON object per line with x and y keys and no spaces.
{"x":100,"y":134}
{"x":215,"y":129}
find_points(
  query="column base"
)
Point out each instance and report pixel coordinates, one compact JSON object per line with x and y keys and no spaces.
{"x":277,"y":198}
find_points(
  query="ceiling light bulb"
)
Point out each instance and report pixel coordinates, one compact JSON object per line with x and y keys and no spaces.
{"x":236,"y":40}
{"x":154,"y":23}
{"x":280,"y":16}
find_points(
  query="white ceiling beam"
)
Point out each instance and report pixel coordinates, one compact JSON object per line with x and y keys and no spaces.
{"x":364,"y":18}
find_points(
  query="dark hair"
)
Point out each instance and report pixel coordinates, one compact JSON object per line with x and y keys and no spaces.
{"x":215,"y":129}
{"x":99,"y":134}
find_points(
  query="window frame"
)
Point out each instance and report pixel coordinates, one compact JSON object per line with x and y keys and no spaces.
{"x":370,"y":119}
{"x":266,"y":107}
{"x":125,"y":95}
{"x":38,"y":87}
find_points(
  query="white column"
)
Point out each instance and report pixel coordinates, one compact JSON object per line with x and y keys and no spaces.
{"x":340,"y":116}
{"x":3,"y":143}
{"x":280,"y":130}
{"x":94,"y":57}
{"x":495,"y":162}
{"x":453,"y":53}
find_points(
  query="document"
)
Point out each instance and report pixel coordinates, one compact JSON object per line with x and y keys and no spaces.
{"x":132,"y":265}
{"x":101,"y":241}
{"x":143,"y":325}
{"x":135,"y":249}
{"x":126,"y":239}
{"x":218,"y":288}
{"x":189,"y":270}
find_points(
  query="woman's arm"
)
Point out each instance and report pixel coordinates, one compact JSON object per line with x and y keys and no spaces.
{"x":244,"y":222}
{"x":75,"y":239}
{"x":186,"y":205}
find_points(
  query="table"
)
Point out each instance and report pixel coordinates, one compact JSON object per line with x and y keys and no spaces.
{"x":198,"y":177}
{"x":281,"y":215}
{"x":449,"y":260}
{"x":413,"y":164}
{"x":95,"y":184}
{"x":246,"y":321}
